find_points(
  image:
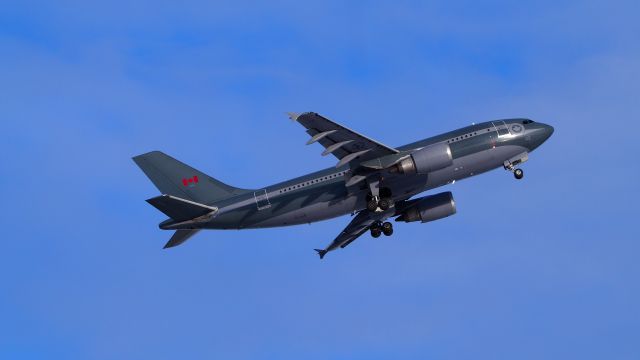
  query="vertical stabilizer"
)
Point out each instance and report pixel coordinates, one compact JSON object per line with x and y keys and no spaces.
{"x":176,"y":178}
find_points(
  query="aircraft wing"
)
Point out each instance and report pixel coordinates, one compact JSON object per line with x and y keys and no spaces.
{"x":345,"y":144}
{"x":358,"y":226}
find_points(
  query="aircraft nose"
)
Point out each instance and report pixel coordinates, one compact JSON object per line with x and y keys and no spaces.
{"x":547,"y":131}
{"x":540,"y":133}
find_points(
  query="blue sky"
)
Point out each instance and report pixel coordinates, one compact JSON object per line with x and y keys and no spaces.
{"x":541,"y":268}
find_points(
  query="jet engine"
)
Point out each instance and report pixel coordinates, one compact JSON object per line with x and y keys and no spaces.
{"x":430,"y":158}
{"x":429,"y":208}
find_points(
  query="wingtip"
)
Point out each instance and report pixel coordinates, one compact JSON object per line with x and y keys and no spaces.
{"x":321,"y":253}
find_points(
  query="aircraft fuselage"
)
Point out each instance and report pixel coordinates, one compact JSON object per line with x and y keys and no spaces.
{"x":323,"y":195}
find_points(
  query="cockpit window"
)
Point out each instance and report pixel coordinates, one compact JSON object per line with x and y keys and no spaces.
{"x":527,"y":121}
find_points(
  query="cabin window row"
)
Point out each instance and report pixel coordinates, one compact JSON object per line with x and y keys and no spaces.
{"x":311,"y":182}
{"x":465,"y":136}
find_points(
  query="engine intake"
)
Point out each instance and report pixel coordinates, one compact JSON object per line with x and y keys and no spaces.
{"x":428,"y":159}
{"x":429,"y":208}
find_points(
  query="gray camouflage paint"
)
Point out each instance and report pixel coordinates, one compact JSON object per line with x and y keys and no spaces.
{"x":323,"y":195}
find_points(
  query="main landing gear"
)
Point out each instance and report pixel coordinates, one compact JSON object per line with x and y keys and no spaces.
{"x":379,"y":228}
{"x":382,"y":200}
{"x":382,"y":203}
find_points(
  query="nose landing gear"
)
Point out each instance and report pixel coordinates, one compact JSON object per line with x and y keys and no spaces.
{"x":518,"y":174}
{"x":511,"y":164}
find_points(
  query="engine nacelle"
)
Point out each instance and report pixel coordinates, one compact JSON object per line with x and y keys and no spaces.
{"x":430,"y":208}
{"x":430,"y":158}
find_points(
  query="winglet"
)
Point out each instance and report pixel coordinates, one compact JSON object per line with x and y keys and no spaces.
{"x":321,"y":252}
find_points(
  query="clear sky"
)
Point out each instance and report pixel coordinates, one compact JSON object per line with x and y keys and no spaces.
{"x":543,"y":268}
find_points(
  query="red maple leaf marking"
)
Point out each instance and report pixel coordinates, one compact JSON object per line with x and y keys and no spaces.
{"x":190,"y":181}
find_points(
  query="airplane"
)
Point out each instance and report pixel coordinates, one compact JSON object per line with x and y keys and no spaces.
{"x":371,"y":181}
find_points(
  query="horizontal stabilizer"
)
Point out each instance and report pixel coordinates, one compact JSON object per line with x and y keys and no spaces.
{"x":180,"y":209}
{"x":179,"y":237}
{"x":321,"y":252}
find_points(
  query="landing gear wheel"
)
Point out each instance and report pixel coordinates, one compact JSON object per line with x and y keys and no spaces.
{"x":518,"y":173}
{"x":372,"y":205}
{"x":387,"y":229}
{"x":376,"y":232}
{"x":384,"y":204}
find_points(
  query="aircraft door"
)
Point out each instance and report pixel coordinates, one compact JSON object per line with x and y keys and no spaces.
{"x":501,"y":128}
{"x":262,"y":199}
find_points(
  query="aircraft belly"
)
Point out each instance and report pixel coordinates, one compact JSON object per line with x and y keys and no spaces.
{"x":333,"y":201}
{"x":311,"y":213}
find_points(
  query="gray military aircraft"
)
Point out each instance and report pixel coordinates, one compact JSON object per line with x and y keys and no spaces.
{"x":371,"y":181}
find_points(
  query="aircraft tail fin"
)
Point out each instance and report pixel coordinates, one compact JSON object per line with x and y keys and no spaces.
{"x":179,"y":237}
{"x":180,"y":180}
